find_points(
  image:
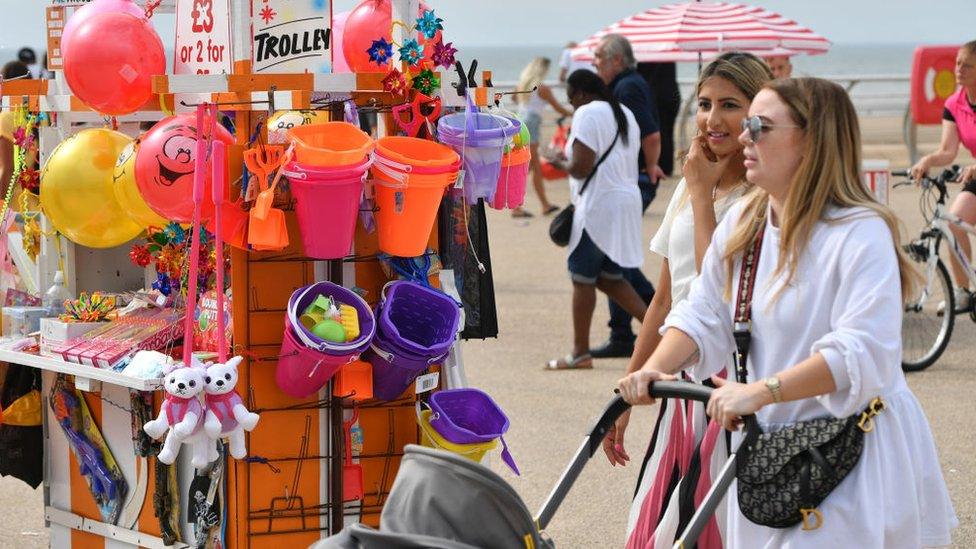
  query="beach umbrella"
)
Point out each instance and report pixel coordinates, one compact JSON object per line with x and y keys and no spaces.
{"x":695,"y":31}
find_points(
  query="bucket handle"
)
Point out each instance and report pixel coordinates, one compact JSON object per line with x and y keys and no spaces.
{"x":304,"y":175}
{"x":388,"y":356}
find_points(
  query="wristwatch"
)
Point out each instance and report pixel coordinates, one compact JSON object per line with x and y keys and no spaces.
{"x":772,"y":383}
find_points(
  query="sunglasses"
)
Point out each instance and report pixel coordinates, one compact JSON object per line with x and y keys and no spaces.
{"x":755,"y":126}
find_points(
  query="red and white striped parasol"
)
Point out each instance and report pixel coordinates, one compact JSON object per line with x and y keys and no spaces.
{"x":697,"y":30}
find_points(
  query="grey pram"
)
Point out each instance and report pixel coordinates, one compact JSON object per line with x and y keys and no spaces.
{"x":446,"y":501}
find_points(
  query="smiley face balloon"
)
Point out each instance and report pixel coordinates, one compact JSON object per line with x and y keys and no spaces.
{"x":165,"y":164}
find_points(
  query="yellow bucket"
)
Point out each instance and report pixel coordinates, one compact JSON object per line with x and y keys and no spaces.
{"x":432,"y":439}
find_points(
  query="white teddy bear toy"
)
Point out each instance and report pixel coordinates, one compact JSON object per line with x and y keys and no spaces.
{"x":182,"y":414}
{"x":227,"y":416}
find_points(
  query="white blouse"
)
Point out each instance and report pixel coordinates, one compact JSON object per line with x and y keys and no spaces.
{"x":844,"y":303}
{"x":610,"y":208}
{"x":675,"y":239}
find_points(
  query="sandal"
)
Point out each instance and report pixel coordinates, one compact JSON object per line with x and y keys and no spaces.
{"x":569,"y":362}
{"x":550,"y":210}
{"x":520,"y":213}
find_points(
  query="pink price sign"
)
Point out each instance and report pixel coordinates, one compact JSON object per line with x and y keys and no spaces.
{"x":202,"y":37}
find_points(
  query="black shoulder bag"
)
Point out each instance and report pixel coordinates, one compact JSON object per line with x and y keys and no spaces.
{"x":562,"y":225}
{"x":788,"y":473}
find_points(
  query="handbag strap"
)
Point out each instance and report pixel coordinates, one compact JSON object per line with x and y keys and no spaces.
{"x":597,"y":166}
{"x":742,"y":322}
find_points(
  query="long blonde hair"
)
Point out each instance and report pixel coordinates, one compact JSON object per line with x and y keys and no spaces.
{"x":828,"y":175}
{"x":532,"y":75}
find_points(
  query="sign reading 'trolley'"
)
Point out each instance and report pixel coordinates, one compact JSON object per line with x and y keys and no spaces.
{"x":291,"y":36}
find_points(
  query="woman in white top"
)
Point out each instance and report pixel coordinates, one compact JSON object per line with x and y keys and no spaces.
{"x":714,"y":178}
{"x":606,"y":235}
{"x":826,"y":324}
{"x":532,"y":105}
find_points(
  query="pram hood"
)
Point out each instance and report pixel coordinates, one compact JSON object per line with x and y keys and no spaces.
{"x":445,"y":501}
{"x":446,"y":496}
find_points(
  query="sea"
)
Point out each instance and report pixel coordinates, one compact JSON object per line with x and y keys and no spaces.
{"x":879,"y":72}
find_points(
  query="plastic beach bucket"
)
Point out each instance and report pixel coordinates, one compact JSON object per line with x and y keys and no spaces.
{"x":395,"y":370}
{"x":410,"y":176}
{"x":470,"y":416}
{"x":432,"y":439}
{"x":480,"y":139}
{"x":417,"y":320}
{"x":330,"y":144}
{"x":327,"y":205}
{"x":301,"y":371}
{"x":510,"y":190}
{"x":303,"y":297}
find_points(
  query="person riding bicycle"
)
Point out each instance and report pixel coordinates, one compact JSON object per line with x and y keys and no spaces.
{"x":959,"y":126}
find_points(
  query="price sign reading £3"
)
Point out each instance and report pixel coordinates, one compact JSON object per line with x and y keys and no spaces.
{"x":202,"y":37}
{"x":291,"y":36}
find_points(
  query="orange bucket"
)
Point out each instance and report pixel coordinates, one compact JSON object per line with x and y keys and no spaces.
{"x":410,"y":176}
{"x":330,"y":144}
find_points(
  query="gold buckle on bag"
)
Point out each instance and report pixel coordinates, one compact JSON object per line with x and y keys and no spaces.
{"x":866,"y":422}
{"x":818,"y":519}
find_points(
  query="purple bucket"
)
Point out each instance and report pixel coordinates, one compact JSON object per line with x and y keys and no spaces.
{"x":420,"y":321}
{"x":480,"y":139}
{"x":394,"y":371}
{"x":469,"y":416}
{"x":301,"y":371}
{"x":303,"y":297}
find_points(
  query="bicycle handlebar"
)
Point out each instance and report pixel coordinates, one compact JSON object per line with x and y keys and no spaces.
{"x":939,"y":181}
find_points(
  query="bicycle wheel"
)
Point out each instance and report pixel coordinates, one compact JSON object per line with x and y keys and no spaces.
{"x":924,"y":332}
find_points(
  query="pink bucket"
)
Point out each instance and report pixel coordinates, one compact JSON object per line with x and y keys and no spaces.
{"x":327,"y":203}
{"x":301,"y":371}
{"x":510,"y":190}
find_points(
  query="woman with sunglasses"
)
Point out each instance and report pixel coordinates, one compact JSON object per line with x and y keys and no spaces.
{"x":714,"y":178}
{"x":826,"y":303}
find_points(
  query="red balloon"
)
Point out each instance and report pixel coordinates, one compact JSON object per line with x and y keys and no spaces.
{"x":94,"y":8}
{"x":367,"y":22}
{"x":111,"y":60}
{"x":165,"y":165}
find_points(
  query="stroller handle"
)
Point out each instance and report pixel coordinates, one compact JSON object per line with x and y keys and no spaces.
{"x":658,"y":390}
{"x":591,"y":444}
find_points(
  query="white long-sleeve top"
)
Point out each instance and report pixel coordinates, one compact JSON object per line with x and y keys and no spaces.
{"x":845,"y":303}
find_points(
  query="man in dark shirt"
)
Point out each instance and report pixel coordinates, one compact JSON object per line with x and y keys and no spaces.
{"x":663,"y":80}
{"x":615,"y":63}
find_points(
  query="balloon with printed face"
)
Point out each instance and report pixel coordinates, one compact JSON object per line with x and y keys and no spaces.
{"x":94,"y":8}
{"x":165,"y":163}
{"x":281,"y":122}
{"x":77,"y":192}
{"x":111,"y":60}
{"x":127,"y":191}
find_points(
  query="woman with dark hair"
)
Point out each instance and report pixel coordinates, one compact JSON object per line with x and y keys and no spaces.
{"x":601,"y":159}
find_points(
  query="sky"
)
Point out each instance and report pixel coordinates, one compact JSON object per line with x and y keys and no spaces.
{"x":547,"y":22}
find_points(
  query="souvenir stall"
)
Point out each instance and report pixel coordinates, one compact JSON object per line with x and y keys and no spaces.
{"x":236,"y":287}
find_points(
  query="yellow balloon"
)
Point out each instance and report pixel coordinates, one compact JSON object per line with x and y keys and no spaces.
{"x":77,"y":193}
{"x":282,"y":121}
{"x":127,"y":191}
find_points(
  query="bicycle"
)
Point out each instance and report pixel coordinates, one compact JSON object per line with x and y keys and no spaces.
{"x":929,"y":317}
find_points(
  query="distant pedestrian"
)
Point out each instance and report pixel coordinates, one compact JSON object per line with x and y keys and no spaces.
{"x":606,"y":235}
{"x":663,"y":80}
{"x":28,"y":57}
{"x":615,"y":63}
{"x":532,"y":106}
{"x":568,"y":65}
{"x":780,"y":66}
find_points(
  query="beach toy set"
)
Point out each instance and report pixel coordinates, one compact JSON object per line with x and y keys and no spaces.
{"x":466,"y":422}
{"x":326,"y":327}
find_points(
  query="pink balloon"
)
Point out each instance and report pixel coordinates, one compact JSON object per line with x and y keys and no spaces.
{"x":111,"y":60}
{"x":164,"y":167}
{"x":369,"y":21}
{"x":338,"y":57}
{"x":96,"y":7}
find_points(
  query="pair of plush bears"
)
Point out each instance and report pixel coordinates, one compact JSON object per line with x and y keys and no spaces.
{"x":222,"y":414}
